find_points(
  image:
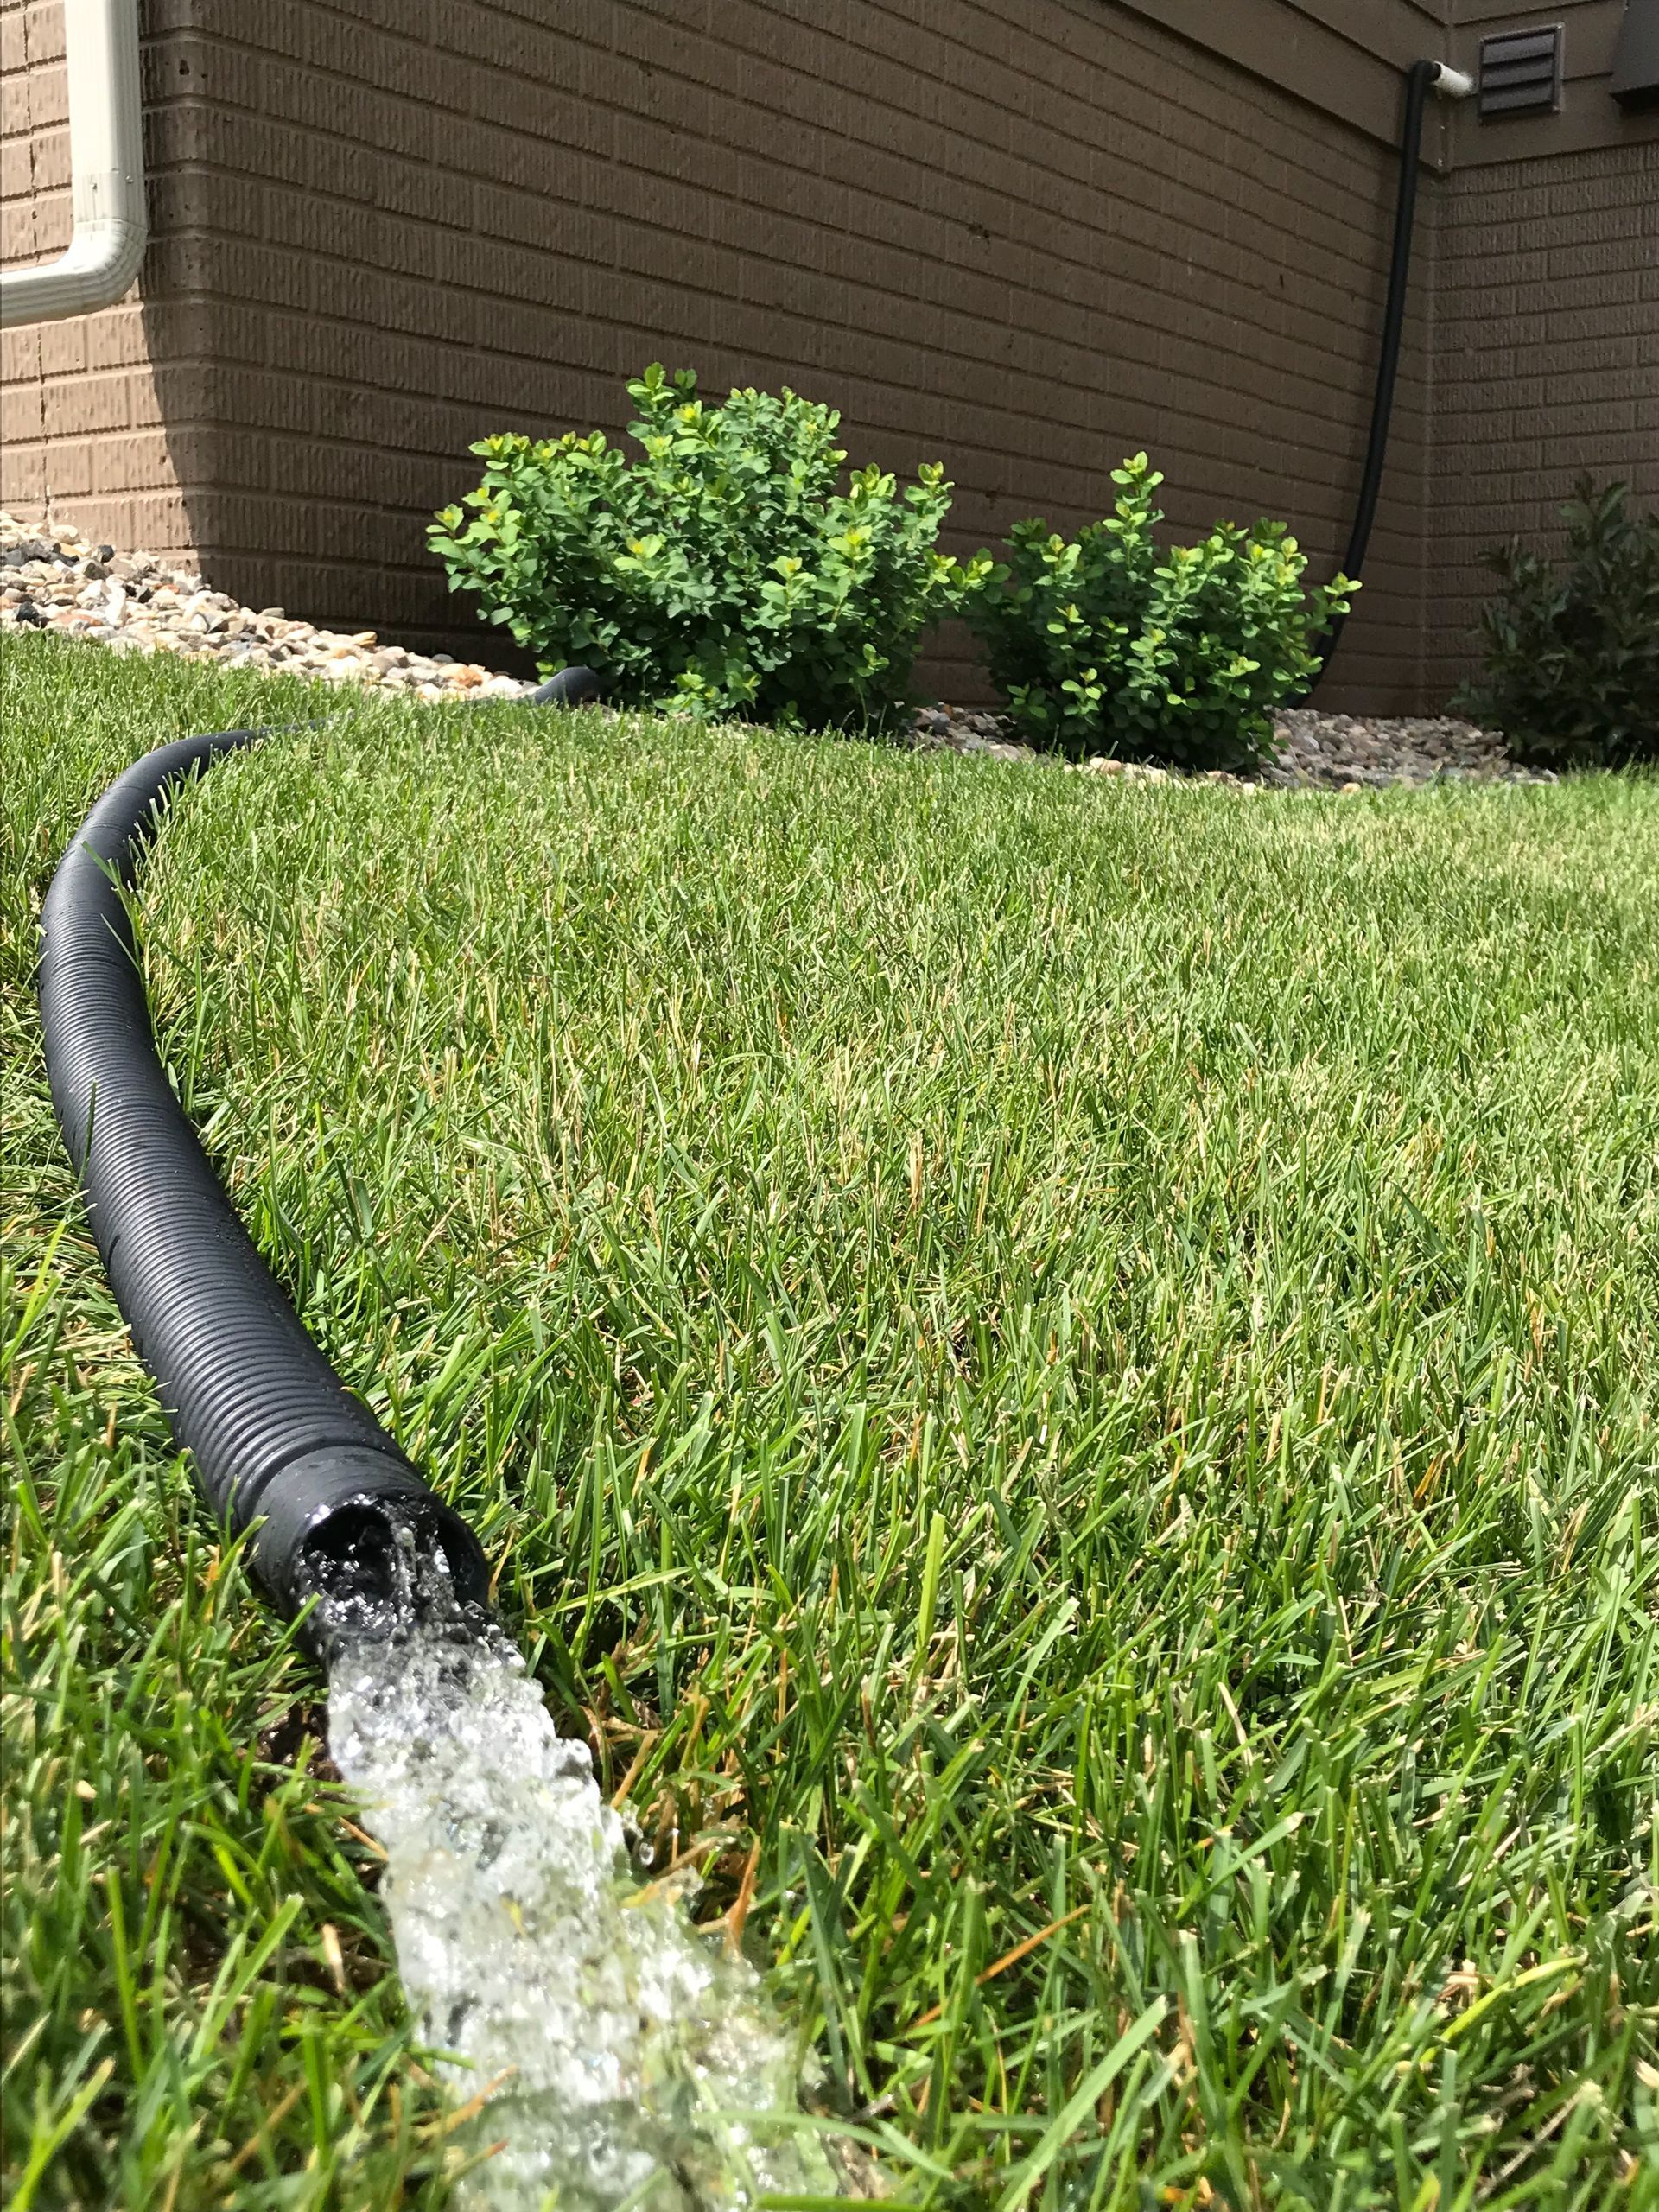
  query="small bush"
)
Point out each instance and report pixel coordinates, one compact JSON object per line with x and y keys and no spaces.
{"x":721,"y":572}
{"x":1110,"y":644}
{"x":1571,"y":655}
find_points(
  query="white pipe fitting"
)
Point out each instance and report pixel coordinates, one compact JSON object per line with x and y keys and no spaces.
{"x":106,"y":154}
{"x":1454,"y":83}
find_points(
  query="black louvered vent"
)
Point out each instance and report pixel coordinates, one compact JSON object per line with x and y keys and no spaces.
{"x":1521,"y":73}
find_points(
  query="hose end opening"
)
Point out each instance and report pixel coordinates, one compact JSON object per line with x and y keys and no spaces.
{"x":361,"y":1542}
{"x":374,"y":1568}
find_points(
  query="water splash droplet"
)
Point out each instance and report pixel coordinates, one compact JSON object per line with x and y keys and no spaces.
{"x":635,"y":2061}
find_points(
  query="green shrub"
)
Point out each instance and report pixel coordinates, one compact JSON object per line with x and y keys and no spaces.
{"x":721,"y":572}
{"x":1111,"y":644}
{"x":1571,"y":656}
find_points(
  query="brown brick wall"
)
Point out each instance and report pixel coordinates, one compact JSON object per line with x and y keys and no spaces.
{"x":99,"y":416}
{"x":1546,"y":316}
{"x":1546,"y":360}
{"x":1022,"y":236}
{"x":34,"y":139}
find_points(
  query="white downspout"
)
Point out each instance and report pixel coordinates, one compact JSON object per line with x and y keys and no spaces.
{"x":106,"y":153}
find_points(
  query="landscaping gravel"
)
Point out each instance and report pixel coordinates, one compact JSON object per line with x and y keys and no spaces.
{"x":1347,"y":753}
{"x":51,"y":577}
{"x":1362,"y":752}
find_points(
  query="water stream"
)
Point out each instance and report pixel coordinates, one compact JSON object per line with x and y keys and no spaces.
{"x":634,"y":2061}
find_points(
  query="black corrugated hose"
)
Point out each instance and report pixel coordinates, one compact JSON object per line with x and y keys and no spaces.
{"x":276,"y":1437}
{"x":1420,"y":80}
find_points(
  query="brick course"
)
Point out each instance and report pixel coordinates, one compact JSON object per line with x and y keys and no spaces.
{"x":1024,"y":236}
{"x":87,"y":428}
{"x":1547,"y":360}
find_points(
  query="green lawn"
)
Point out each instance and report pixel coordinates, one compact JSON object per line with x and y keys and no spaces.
{"x":1075,"y":1361}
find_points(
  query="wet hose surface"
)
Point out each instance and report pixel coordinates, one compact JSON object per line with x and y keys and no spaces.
{"x":275,"y":1435}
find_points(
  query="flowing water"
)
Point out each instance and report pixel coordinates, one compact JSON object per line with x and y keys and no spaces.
{"x":634,"y":2061}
